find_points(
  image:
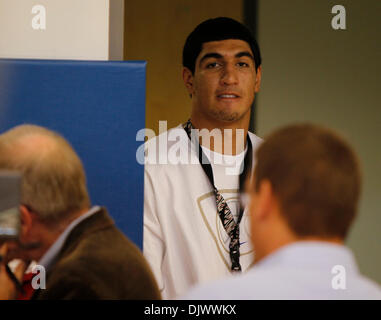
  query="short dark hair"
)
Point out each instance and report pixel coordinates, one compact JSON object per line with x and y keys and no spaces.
{"x":217,"y":29}
{"x":315,"y":176}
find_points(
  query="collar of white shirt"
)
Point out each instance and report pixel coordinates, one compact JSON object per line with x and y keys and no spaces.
{"x":49,"y":256}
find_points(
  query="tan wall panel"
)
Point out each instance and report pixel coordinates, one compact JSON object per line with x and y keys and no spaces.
{"x":156,"y":31}
{"x":314,"y":73}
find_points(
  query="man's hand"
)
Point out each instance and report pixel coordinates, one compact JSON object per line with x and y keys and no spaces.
{"x":7,"y":286}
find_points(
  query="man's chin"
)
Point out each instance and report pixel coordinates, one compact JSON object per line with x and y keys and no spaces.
{"x":228,"y":116}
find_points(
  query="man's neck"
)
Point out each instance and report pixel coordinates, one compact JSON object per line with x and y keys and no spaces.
{"x":229,"y":138}
{"x":51,"y":231}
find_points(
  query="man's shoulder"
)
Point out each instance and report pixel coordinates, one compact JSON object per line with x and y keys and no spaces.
{"x":94,"y":243}
{"x":276,"y":283}
{"x":170,"y":136}
{"x":367,"y":289}
{"x":97,"y":264}
{"x":168,"y":152}
{"x":255,"y":140}
{"x":101,"y":246}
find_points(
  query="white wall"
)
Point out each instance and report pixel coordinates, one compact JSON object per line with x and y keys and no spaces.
{"x":75,"y":29}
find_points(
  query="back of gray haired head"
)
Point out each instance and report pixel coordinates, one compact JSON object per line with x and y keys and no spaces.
{"x":54,"y":181}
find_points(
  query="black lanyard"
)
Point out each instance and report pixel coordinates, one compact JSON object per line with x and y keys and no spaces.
{"x":207,"y":167}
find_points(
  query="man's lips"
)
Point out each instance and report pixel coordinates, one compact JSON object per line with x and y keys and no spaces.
{"x":228,"y":95}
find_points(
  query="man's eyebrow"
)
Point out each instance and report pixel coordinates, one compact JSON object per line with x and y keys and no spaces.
{"x":219,"y":56}
{"x":211,"y":55}
{"x":244,"y":54}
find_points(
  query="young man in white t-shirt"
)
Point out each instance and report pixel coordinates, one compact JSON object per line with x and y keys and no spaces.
{"x":195,"y":229}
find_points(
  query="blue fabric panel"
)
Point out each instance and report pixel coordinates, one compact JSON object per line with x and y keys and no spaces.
{"x":98,"y":106}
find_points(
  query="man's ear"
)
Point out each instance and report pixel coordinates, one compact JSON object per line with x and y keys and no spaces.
{"x":26,"y":217}
{"x":188,"y":80}
{"x":258,"y":78}
{"x":266,"y":200}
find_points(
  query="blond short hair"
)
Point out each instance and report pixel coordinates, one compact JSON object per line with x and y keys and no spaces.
{"x":54,"y":181}
{"x":316,"y":176}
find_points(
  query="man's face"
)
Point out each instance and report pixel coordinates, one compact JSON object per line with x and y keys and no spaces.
{"x":225,"y":81}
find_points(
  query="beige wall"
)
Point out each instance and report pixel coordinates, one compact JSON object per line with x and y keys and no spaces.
{"x":313,"y":73}
{"x":156,"y":32}
{"x":75,"y":29}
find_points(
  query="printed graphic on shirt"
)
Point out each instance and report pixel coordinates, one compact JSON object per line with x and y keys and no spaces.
{"x":218,"y":233}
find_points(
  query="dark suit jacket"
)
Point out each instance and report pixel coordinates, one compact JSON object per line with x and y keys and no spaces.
{"x":98,"y":262}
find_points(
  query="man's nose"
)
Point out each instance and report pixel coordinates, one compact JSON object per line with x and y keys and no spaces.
{"x":229,"y":75}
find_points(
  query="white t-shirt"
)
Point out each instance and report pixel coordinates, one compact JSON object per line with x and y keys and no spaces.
{"x":184,"y":239}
